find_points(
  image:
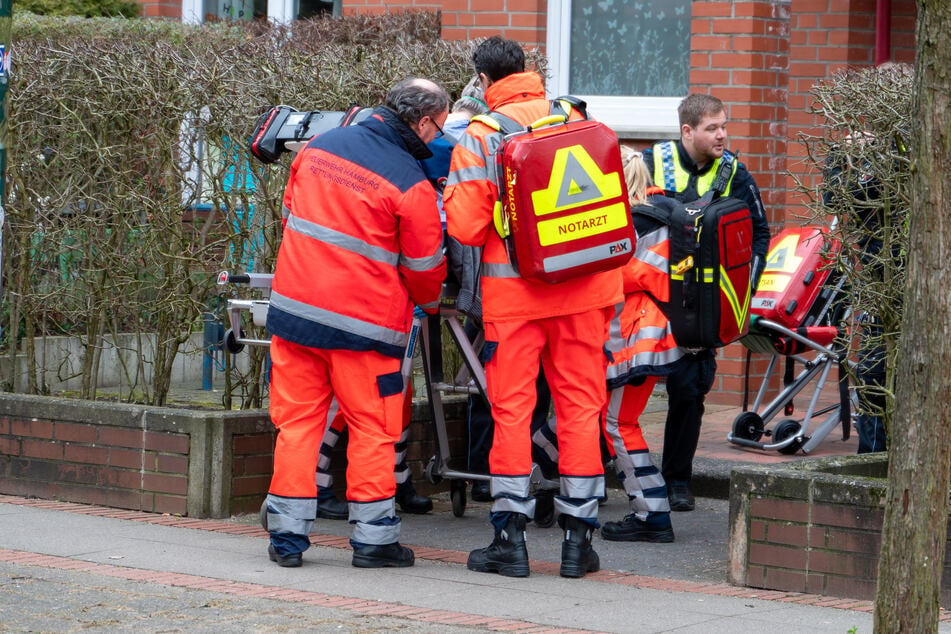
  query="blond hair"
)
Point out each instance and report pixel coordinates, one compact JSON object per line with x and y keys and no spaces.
{"x":635,"y":175}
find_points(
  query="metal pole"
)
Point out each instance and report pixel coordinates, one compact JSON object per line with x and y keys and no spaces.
{"x":6,"y":18}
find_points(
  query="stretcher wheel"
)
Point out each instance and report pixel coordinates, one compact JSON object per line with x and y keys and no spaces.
{"x":231,"y":342}
{"x":457,"y":494}
{"x":430,"y":472}
{"x":748,"y":426}
{"x":787,"y":428}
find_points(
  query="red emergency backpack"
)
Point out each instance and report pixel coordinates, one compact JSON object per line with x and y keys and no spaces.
{"x":563,"y":205}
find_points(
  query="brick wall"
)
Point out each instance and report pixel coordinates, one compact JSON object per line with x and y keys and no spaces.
{"x":812,"y":527}
{"x":166,"y":460}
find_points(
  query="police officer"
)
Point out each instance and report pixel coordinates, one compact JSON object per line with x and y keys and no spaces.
{"x":686,"y":169}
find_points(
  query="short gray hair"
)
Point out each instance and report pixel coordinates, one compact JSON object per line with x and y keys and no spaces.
{"x":472,"y":100}
{"x":415,"y":98}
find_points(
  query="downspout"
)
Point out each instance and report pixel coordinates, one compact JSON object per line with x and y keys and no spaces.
{"x":883,"y":31}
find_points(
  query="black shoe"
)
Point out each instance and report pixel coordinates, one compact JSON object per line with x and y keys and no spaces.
{"x":681,"y":498}
{"x":410,"y":501}
{"x":544,"y":509}
{"x":577,"y":555}
{"x":481,"y":491}
{"x":631,"y":529}
{"x":332,"y":508}
{"x":289,"y":561}
{"x":506,"y":554}
{"x":383,"y":556}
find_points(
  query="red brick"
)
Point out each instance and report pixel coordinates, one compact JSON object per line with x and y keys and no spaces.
{"x":41,"y":449}
{"x":166,"y":442}
{"x":117,"y":437}
{"x":776,"y":509}
{"x":83,"y":474}
{"x":75,"y":432}
{"x":249,"y":444}
{"x":789,"y":580}
{"x":122,"y":478}
{"x":850,"y":587}
{"x":776,"y":556}
{"x":169,"y":504}
{"x":177,"y":485}
{"x":127,"y":458}
{"x":9,"y":447}
{"x":847,"y":516}
{"x":171,"y":464}
{"x":787,"y":533}
{"x":250,"y":485}
{"x":860,"y":542}
{"x":31,"y":428}
{"x":842,"y":563}
{"x":4,"y":425}
{"x":86,"y":454}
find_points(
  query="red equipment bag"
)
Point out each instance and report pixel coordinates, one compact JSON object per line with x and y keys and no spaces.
{"x":563,"y":208}
{"x":795,"y":289}
{"x":279,"y":125}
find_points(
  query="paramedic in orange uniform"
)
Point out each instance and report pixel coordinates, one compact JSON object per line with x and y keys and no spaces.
{"x":562,"y":325}
{"x":642,"y":349}
{"x":362,"y":244}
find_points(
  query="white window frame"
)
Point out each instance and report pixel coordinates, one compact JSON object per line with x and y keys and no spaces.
{"x":630,"y":117}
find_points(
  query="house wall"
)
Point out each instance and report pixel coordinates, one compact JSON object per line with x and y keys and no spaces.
{"x":761,"y":57}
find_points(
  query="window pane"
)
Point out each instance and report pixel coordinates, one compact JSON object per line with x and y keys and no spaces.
{"x":630,"y":47}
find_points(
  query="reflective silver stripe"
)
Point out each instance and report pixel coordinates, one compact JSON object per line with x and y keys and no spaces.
{"x":585,"y":510}
{"x":582,"y":487}
{"x":285,"y":212}
{"x":515,"y":486}
{"x":290,"y":515}
{"x":653,"y":260}
{"x":525,"y":507}
{"x":422,"y":264}
{"x":490,"y":269}
{"x":429,"y":305}
{"x":342,"y":240}
{"x":365,"y":513}
{"x":375,"y":533}
{"x":615,"y":341}
{"x":466,"y":174}
{"x":338,"y":321}
{"x":580,"y":257}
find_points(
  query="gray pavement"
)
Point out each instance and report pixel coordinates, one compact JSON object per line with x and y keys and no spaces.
{"x":73,"y":568}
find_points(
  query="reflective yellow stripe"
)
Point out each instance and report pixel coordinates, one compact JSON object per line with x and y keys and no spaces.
{"x":740,"y":310}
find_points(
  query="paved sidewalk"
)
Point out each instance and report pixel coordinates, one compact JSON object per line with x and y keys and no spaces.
{"x":69,"y":567}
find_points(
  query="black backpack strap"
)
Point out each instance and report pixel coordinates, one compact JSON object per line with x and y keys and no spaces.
{"x":724,"y":173}
{"x":566,"y":103}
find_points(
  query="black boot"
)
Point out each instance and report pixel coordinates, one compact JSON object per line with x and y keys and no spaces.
{"x":330,"y":507}
{"x":506,"y":554}
{"x":577,"y":555}
{"x":410,"y":501}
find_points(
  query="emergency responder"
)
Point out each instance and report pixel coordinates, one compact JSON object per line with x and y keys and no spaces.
{"x":643,"y":348}
{"x":686,"y":169}
{"x":362,"y":244}
{"x":562,"y":325}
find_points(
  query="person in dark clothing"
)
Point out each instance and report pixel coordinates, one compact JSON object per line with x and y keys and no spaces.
{"x":686,"y":169}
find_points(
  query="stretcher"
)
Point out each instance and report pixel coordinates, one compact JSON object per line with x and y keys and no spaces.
{"x":426,"y":337}
{"x":797,"y":320}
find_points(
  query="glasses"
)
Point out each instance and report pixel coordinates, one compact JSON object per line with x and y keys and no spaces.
{"x":440,"y":133}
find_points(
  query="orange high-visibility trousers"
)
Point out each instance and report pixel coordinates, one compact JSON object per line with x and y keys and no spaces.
{"x":368,"y":387}
{"x":571,"y":351}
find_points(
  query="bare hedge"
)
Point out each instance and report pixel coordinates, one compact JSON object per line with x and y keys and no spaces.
{"x":111,"y":225}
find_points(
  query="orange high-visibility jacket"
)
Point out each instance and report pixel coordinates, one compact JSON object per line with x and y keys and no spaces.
{"x":641,"y":341}
{"x":469,"y":199}
{"x":362,"y":240}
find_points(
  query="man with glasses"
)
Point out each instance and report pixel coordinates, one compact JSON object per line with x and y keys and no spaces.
{"x":362,"y":245}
